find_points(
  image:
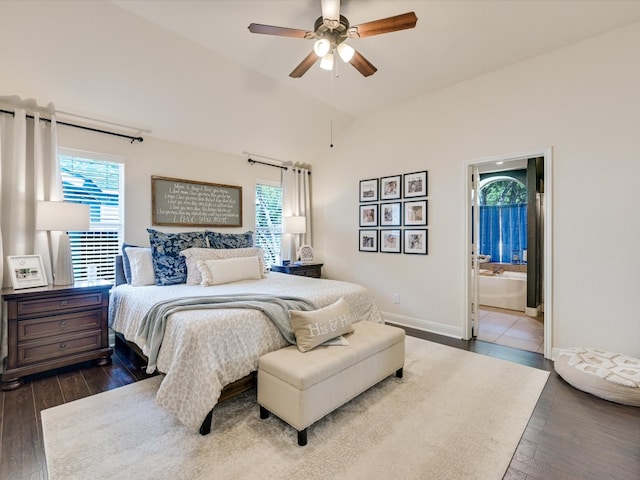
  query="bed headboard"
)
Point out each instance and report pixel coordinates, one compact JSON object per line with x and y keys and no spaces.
{"x":119,"y":266}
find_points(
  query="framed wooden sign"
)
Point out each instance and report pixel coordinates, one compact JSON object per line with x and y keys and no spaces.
{"x":196,"y":204}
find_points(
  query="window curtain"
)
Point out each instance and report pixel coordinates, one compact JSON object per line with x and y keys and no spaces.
{"x":296,"y":201}
{"x":503,"y":231}
{"x":29,"y":172}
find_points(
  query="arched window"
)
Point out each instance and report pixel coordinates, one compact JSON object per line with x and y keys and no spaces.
{"x":503,"y":218}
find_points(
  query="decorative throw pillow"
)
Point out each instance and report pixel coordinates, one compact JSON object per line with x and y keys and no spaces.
{"x":141,"y":266}
{"x":126,"y":265}
{"x":218,"y":272}
{"x":193,"y":255}
{"x":229,"y":240}
{"x":315,"y":327}
{"x":169,"y":266}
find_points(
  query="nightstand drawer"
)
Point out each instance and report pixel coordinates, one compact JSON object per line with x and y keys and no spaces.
{"x":58,"y":347}
{"x":53,"y":305}
{"x":58,"y":325}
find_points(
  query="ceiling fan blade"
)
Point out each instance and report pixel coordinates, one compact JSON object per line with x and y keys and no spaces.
{"x":304,"y":65}
{"x":330,"y":13}
{"x":364,"y":66}
{"x":280,"y":31}
{"x":384,"y":25}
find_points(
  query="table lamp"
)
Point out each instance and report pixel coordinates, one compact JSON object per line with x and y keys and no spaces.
{"x":63,"y":217}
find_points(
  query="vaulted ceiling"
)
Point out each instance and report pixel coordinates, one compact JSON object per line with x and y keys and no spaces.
{"x":191,"y":72}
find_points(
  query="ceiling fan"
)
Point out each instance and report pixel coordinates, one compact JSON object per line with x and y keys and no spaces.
{"x":330,"y":32}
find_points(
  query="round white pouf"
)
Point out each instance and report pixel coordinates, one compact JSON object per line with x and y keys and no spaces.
{"x":608,"y":375}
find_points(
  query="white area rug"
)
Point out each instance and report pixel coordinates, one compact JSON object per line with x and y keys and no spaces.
{"x":454,"y":415}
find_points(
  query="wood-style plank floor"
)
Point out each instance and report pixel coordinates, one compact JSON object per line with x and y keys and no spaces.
{"x":571,"y":434}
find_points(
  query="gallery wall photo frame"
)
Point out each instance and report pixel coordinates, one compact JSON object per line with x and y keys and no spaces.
{"x":369,"y":190}
{"x":368,"y":240}
{"x":416,"y":241}
{"x":27,"y":271}
{"x":391,"y":240}
{"x":415,"y":213}
{"x":415,"y":184}
{"x":391,"y":187}
{"x":369,"y":215}
{"x":391,"y":214}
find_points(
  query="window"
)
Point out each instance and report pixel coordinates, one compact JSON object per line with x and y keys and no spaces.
{"x":91,"y":179}
{"x":503,"y":217}
{"x":269,"y":220}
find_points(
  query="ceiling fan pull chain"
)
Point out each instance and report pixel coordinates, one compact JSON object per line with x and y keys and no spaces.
{"x":331,"y":135}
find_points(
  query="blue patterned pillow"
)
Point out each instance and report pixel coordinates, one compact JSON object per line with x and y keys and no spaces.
{"x":230,"y":240}
{"x":169,"y":266}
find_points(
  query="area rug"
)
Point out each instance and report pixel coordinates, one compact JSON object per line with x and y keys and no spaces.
{"x":454,"y":415}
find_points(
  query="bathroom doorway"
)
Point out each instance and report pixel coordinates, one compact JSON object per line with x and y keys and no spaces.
{"x":509,"y":278}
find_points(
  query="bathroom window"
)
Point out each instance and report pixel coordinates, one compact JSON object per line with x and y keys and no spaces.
{"x":503,"y":218}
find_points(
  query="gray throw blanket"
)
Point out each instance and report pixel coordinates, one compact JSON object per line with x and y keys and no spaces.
{"x":151,"y":331}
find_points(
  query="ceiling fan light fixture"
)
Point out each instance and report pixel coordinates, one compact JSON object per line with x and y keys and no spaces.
{"x":322,"y":47}
{"x":346,"y":52}
{"x":327,"y":62}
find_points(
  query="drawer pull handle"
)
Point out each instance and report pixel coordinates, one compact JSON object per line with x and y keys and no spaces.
{"x":63,"y":323}
{"x":63,"y":345}
{"x":63,"y":303}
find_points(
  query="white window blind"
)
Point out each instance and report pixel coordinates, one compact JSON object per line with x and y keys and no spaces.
{"x":269,"y":220}
{"x":99,"y":184}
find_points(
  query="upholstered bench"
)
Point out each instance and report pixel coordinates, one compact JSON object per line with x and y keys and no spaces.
{"x":301,"y":388}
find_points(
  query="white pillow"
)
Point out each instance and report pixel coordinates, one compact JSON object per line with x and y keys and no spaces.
{"x":217,"y":272}
{"x":194,"y":255}
{"x":141,"y":266}
{"x":316,"y":327}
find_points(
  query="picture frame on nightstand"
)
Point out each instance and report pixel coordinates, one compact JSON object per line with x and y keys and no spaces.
{"x":27,"y":271}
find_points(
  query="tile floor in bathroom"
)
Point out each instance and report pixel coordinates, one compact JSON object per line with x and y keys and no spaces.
{"x":511,"y":329}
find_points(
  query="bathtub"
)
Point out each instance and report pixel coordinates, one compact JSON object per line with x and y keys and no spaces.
{"x":506,"y":290}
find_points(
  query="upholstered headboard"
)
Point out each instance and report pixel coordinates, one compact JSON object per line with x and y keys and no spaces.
{"x":119,"y":265}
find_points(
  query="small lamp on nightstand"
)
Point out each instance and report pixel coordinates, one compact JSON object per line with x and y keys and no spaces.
{"x":294,"y":225}
{"x":62,"y":217}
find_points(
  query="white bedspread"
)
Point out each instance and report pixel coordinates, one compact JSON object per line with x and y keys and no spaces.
{"x":204,"y":350}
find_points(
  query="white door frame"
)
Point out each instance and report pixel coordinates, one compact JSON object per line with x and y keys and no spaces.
{"x":546,"y":153}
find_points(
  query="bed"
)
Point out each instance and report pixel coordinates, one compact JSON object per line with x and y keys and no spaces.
{"x":205,"y":350}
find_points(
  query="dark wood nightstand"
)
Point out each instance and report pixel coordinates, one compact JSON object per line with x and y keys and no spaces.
{"x":305,"y":270}
{"x":55,"y":326}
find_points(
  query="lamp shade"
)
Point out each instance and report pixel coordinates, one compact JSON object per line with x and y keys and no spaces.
{"x":62,"y":216}
{"x":346,"y":52}
{"x":326,"y":63}
{"x":294,"y":225}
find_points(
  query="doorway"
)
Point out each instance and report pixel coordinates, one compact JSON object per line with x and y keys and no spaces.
{"x":505,"y":323}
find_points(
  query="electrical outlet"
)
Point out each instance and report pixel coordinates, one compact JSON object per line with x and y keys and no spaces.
{"x":396,"y":298}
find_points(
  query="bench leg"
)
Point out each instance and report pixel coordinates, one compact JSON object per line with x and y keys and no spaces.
{"x":399,"y":373}
{"x":205,"y":428}
{"x":264,"y":413}
{"x":302,"y":437}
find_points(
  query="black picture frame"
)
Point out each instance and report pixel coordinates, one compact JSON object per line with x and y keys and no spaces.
{"x":391,"y":240}
{"x":416,"y":241}
{"x":369,"y":215}
{"x":369,"y":190}
{"x":415,"y":184}
{"x":391,"y":187}
{"x":415,"y":213}
{"x":368,"y":240}
{"x":391,"y":214}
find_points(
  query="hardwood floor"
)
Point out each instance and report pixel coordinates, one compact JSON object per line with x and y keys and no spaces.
{"x":571,"y":434}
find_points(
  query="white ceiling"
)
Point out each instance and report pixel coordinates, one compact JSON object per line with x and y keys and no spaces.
{"x":190,"y":71}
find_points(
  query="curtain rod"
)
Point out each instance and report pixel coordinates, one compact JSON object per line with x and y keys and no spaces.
{"x":253,"y":162}
{"x":83,"y":127}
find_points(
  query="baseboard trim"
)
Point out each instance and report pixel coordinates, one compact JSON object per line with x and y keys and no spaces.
{"x":422,"y":324}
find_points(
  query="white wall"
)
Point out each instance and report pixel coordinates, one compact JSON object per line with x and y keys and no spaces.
{"x":158,"y":157}
{"x":584,"y":102}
